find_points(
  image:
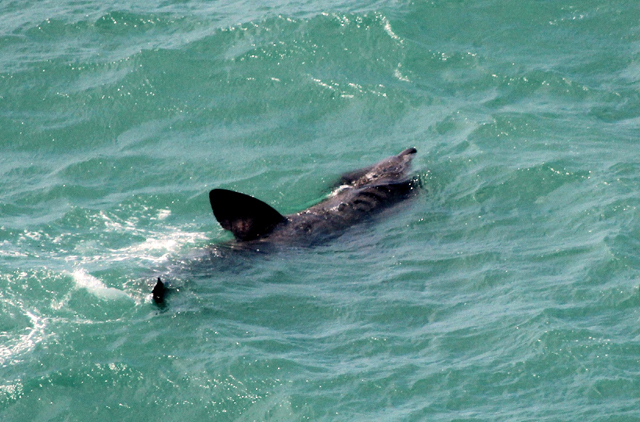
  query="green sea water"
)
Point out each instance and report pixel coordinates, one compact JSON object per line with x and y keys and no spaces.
{"x":508,"y":290}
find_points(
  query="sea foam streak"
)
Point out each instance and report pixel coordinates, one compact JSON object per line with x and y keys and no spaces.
{"x":96,"y":287}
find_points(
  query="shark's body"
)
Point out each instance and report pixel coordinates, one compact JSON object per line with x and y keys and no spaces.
{"x":358,"y":195}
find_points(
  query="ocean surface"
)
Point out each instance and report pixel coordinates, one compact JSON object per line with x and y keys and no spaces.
{"x":507,"y":290}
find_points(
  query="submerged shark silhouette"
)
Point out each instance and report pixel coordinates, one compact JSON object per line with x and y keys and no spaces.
{"x":359,"y":194}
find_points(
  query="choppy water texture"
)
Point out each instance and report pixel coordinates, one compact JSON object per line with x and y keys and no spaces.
{"x":507,"y":291}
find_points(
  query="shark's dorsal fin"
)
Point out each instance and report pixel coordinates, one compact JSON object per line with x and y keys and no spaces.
{"x":246,"y":217}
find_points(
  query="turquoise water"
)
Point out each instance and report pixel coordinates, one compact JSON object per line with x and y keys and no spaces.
{"x":507,"y":291}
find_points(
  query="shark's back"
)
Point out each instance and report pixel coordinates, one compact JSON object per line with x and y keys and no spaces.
{"x":358,"y":195}
{"x":389,"y":170}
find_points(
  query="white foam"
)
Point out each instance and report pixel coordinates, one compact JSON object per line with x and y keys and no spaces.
{"x":163,"y":214}
{"x":387,"y":28}
{"x":25,"y":342}
{"x":96,"y":287}
{"x":8,"y":250}
{"x":157,"y":248}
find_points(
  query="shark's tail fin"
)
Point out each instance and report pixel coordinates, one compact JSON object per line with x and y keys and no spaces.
{"x":158,"y":292}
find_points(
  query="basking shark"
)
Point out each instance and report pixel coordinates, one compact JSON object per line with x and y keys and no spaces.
{"x":357,"y":196}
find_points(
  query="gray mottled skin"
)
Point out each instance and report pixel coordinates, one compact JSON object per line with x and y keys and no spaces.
{"x":358,"y":195}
